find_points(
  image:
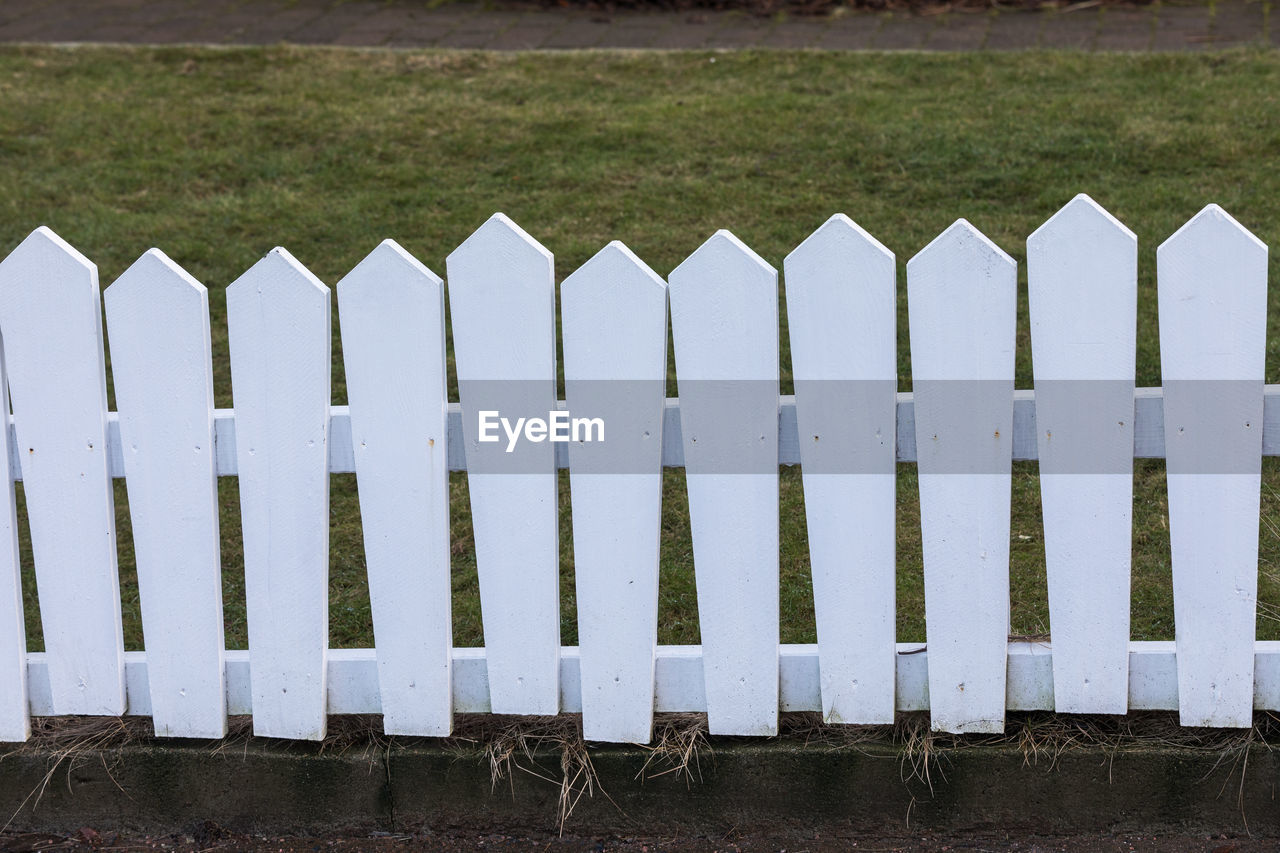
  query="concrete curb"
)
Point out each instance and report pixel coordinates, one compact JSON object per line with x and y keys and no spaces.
{"x":264,"y":787}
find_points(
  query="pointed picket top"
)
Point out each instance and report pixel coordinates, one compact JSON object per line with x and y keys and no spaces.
{"x":724,"y":285}
{"x":1212,"y":225}
{"x":961,"y":274}
{"x":278,"y":272}
{"x":842,"y":235}
{"x":42,"y":249}
{"x":608,"y":308}
{"x":1082,"y":274}
{"x":721,"y":250}
{"x":500,"y":241}
{"x":47,"y":255}
{"x":841,"y":302}
{"x":153,"y":271}
{"x":1079,"y":214}
{"x":1211,"y":283}
{"x":613,"y":266}
{"x":379,"y":269}
{"x":960,"y":239}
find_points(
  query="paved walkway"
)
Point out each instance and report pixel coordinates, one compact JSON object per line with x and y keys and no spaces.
{"x":465,"y":24}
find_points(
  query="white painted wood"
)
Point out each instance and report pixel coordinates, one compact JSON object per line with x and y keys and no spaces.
{"x":841,"y":314}
{"x":278,"y":316}
{"x":614,"y":314}
{"x":502,"y":307}
{"x":679,"y":686}
{"x":158,"y":327}
{"x":724,"y":319}
{"x":1213,"y":316}
{"x":1148,"y":433}
{"x":962,"y":302}
{"x":1082,"y":271}
{"x":51,"y":323}
{"x":15,"y":723}
{"x":391,"y":309}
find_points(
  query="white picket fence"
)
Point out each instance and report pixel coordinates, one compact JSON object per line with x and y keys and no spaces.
{"x":402,"y":437}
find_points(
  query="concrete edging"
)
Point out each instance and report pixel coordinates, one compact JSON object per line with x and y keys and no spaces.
{"x":264,"y":787}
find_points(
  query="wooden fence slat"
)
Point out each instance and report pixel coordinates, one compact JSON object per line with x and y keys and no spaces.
{"x":724,"y":319}
{"x":962,"y":299}
{"x":391,"y":309}
{"x":841,"y":313}
{"x":15,"y":718}
{"x":278,"y":317}
{"x":158,"y":327}
{"x":1212,"y":282}
{"x":1082,"y":269}
{"x":614,"y":311}
{"x":51,"y":322}
{"x":502,"y":307}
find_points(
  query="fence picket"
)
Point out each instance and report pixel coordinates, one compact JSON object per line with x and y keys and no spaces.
{"x":502,"y":306}
{"x":51,"y":322}
{"x":278,"y":317}
{"x":962,"y":306}
{"x":391,"y":310}
{"x":614,"y":311}
{"x":15,"y":718}
{"x":841,"y":313}
{"x":724,"y":319}
{"x":158,"y":326}
{"x":1082,"y":270}
{"x":1212,"y":287}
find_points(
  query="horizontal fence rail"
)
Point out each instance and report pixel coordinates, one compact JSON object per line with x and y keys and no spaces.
{"x":963,"y":425}
{"x":678,"y":679}
{"x":1148,"y":433}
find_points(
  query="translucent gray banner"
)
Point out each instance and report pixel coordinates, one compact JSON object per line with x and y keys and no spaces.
{"x":859,"y":427}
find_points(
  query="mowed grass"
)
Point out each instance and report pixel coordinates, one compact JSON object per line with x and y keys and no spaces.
{"x":217,"y":155}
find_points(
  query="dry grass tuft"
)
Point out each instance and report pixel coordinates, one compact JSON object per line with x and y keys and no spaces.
{"x":676,"y":748}
{"x":514,"y":745}
{"x":72,"y":740}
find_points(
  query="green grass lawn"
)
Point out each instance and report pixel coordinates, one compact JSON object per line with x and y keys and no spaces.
{"x":217,"y":155}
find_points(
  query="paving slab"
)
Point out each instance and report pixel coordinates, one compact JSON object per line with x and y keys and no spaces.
{"x":737,"y":34}
{"x":577,"y":31}
{"x":13,"y":11}
{"x":693,"y":31}
{"x":849,"y":32}
{"x":903,"y":32}
{"x":1126,"y":29}
{"x":1236,"y":23}
{"x":273,"y":29}
{"x":1015,"y":30}
{"x":154,"y":12}
{"x":332,"y":23}
{"x":795,"y":34}
{"x":1076,"y":30}
{"x":482,"y":39}
{"x":645,"y":30}
{"x":517,"y":25}
{"x":1181,"y":28}
{"x":959,"y":31}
